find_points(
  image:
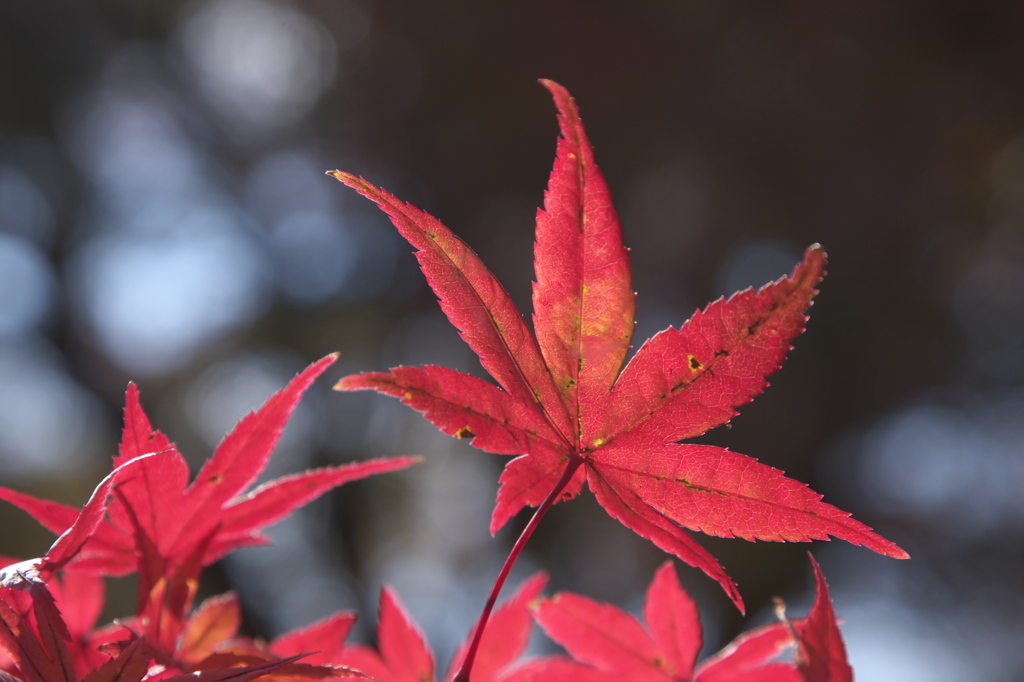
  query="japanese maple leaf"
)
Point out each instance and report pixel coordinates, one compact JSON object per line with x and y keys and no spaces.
{"x":616,"y":643}
{"x":567,"y":406}
{"x":600,"y":638}
{"x":322,"y":643}
{"x":210,"y":639}
{"x":213,"y":627}
{"x":160,"y":516}
{"x":166,"y":528}
{"x":133,"y":664}
{"x":59,"y":629}
{"x":608,"y":644}
{"x":403,"y":655}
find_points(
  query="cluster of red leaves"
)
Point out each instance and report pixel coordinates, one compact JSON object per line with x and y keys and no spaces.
{"x":608,"y":645}
{"x":147,"y":518}
{"x":566,"y":405}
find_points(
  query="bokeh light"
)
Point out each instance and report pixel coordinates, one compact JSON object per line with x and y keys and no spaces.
{"x":260,"y":64}
{"x":49,"y":423}
{"x":27,"y":286}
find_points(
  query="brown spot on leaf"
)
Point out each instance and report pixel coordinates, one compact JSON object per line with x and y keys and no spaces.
{"x":695,"y":365}
{"x":464,"y":432}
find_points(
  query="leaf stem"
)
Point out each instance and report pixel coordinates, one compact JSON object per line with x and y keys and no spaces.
{"x":517,"y":549}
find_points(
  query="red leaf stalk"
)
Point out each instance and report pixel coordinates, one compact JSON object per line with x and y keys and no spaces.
{"x":517,"y":549}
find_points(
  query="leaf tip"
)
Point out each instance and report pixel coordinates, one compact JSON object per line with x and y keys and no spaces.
{"x":899,"y":553}
{"x":819,"y":251}
{"x":321,"y":365}
{"x":565,"y":104}
{"x":738,"y":601}
{"x":131,"y":393}
{"x":551,"y":85}
{"x":354,"y":181}
{"x":877,"y":543}
{"x":346,"y":383}
{"x":815,"y":258}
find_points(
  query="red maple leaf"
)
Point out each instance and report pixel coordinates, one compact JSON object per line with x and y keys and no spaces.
{"x":403,"y":654}
{"x":603,"y":639}
{"x":160,"y":513}
{"x":567,"y":406}
{"x":132,"y":663}
{"x":322,"y":642}
{"x":209,"y":639}
{"x":166,"y":528}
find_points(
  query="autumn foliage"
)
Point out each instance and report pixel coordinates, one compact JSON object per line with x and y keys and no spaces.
{"x":568,"y":409}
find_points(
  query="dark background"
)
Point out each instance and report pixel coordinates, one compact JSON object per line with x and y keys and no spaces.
{"x":164,"y":218}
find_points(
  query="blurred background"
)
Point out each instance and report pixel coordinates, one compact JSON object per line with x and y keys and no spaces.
{"x":165,"y":219}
